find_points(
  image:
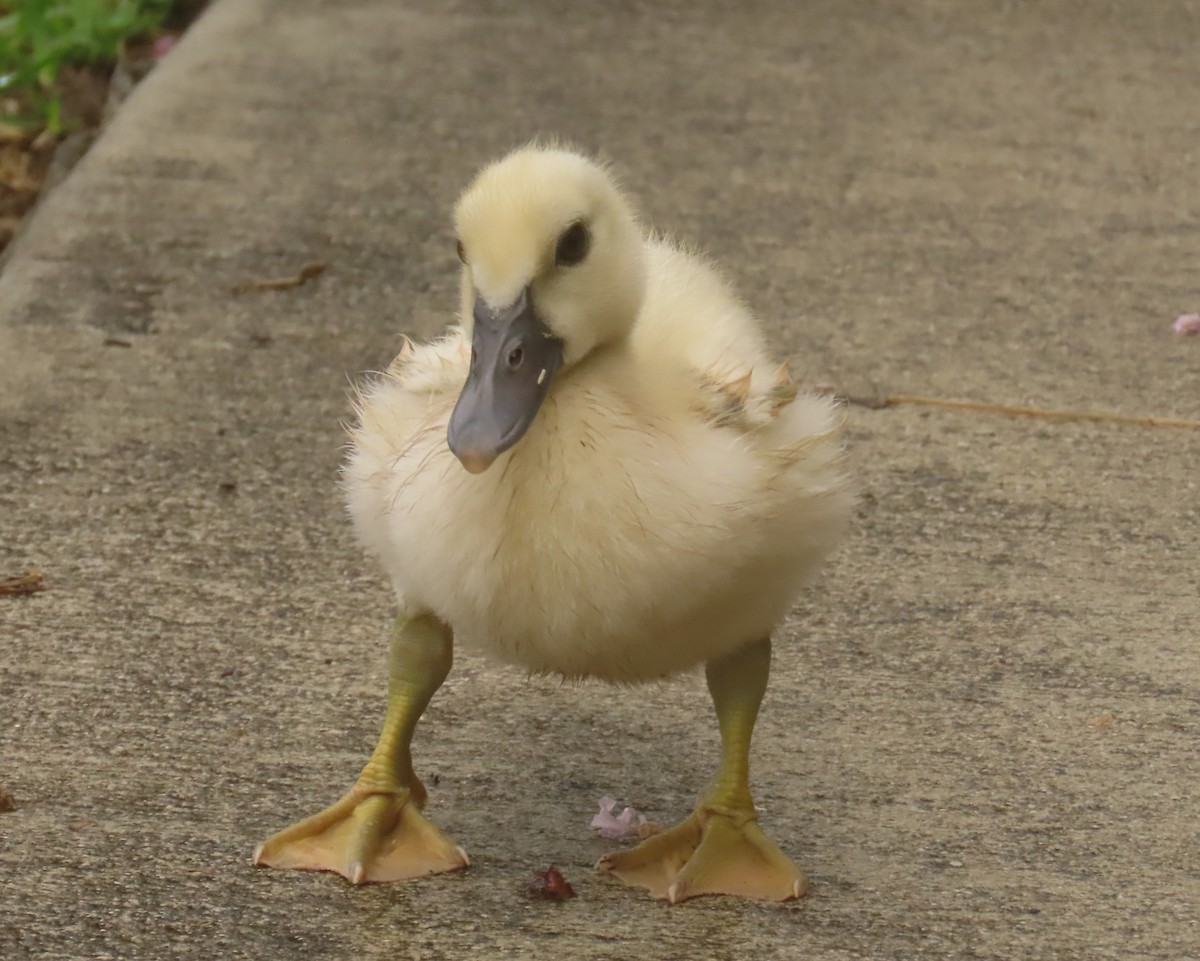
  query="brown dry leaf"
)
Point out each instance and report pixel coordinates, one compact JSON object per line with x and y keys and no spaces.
{"x":29,"y":583}
{"x":11,"y":133}
{"x":44,"y":141}
{"x":1103,"y":722}
{"x":550,"y":884}
{"x":80,"y":823}
{"x":647,"y":829}
{"x":15,"y":171}
{"x":7,"y":801}
{"x":8,"y":228}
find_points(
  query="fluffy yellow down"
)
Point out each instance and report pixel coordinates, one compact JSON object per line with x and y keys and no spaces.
{"x":671,"y":497}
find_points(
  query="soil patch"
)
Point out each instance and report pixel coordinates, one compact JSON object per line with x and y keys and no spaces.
{"x":32,"y":161}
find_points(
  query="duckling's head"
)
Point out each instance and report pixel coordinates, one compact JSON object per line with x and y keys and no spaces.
{"x":552,"y":270}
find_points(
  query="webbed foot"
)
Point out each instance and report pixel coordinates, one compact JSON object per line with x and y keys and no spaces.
{"x":366,"y":836}
{"x":376,"y":832}
{"x":709,"y":853}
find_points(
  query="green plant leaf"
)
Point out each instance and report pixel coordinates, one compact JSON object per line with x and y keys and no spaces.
{"x":39,"y":37}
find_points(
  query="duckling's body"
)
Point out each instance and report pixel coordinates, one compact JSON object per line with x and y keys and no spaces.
{"x":665,"y":498}
{"x":647,"y":521}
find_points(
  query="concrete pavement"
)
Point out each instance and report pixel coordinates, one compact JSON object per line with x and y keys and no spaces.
{"x":981,"y":735}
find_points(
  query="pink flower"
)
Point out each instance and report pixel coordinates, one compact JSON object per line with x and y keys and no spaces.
{"x":164,"y":44}
{"x":1187,"y":324}
{"x":616,"y":825}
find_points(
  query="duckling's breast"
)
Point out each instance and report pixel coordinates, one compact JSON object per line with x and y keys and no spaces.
{"x":608,"y":542}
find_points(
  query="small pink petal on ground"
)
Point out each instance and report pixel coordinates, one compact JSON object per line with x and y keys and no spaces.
{"x":164,"y":45}
{"x":613,"y":826}
{"x":1187,"y":324}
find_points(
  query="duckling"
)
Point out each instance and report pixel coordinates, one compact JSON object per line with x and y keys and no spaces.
{"x":597,"y":473}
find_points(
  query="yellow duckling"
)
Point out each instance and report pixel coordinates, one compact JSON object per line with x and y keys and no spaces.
{"x":600,"y":473}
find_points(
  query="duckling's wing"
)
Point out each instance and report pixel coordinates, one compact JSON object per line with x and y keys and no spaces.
{"x":399,"y":413}
{"x":693,"y":320}
{"x":421,"y":381}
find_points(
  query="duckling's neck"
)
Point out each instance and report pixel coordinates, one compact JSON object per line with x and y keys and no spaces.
{"x":619,"y":350}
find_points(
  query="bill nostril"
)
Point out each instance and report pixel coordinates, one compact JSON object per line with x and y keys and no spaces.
{"x":515,"y":358}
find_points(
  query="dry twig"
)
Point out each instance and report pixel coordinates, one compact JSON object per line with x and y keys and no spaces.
{"x":897,"y":400}
{"x":29,"y":583}
{"x":303,"y":276}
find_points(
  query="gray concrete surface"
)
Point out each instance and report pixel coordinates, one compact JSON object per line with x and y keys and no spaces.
{"x":981,"y":736}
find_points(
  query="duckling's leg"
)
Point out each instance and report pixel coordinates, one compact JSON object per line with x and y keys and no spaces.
{"x":720,"y":848}
{"x":376,"y":832}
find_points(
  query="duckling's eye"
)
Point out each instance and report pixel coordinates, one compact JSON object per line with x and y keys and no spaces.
{"x":515,"y":357}
{"x":462,"y":254}
{"x":572,"y":245}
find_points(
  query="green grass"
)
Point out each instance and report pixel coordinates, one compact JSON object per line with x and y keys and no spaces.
{"x":39,"y":37}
